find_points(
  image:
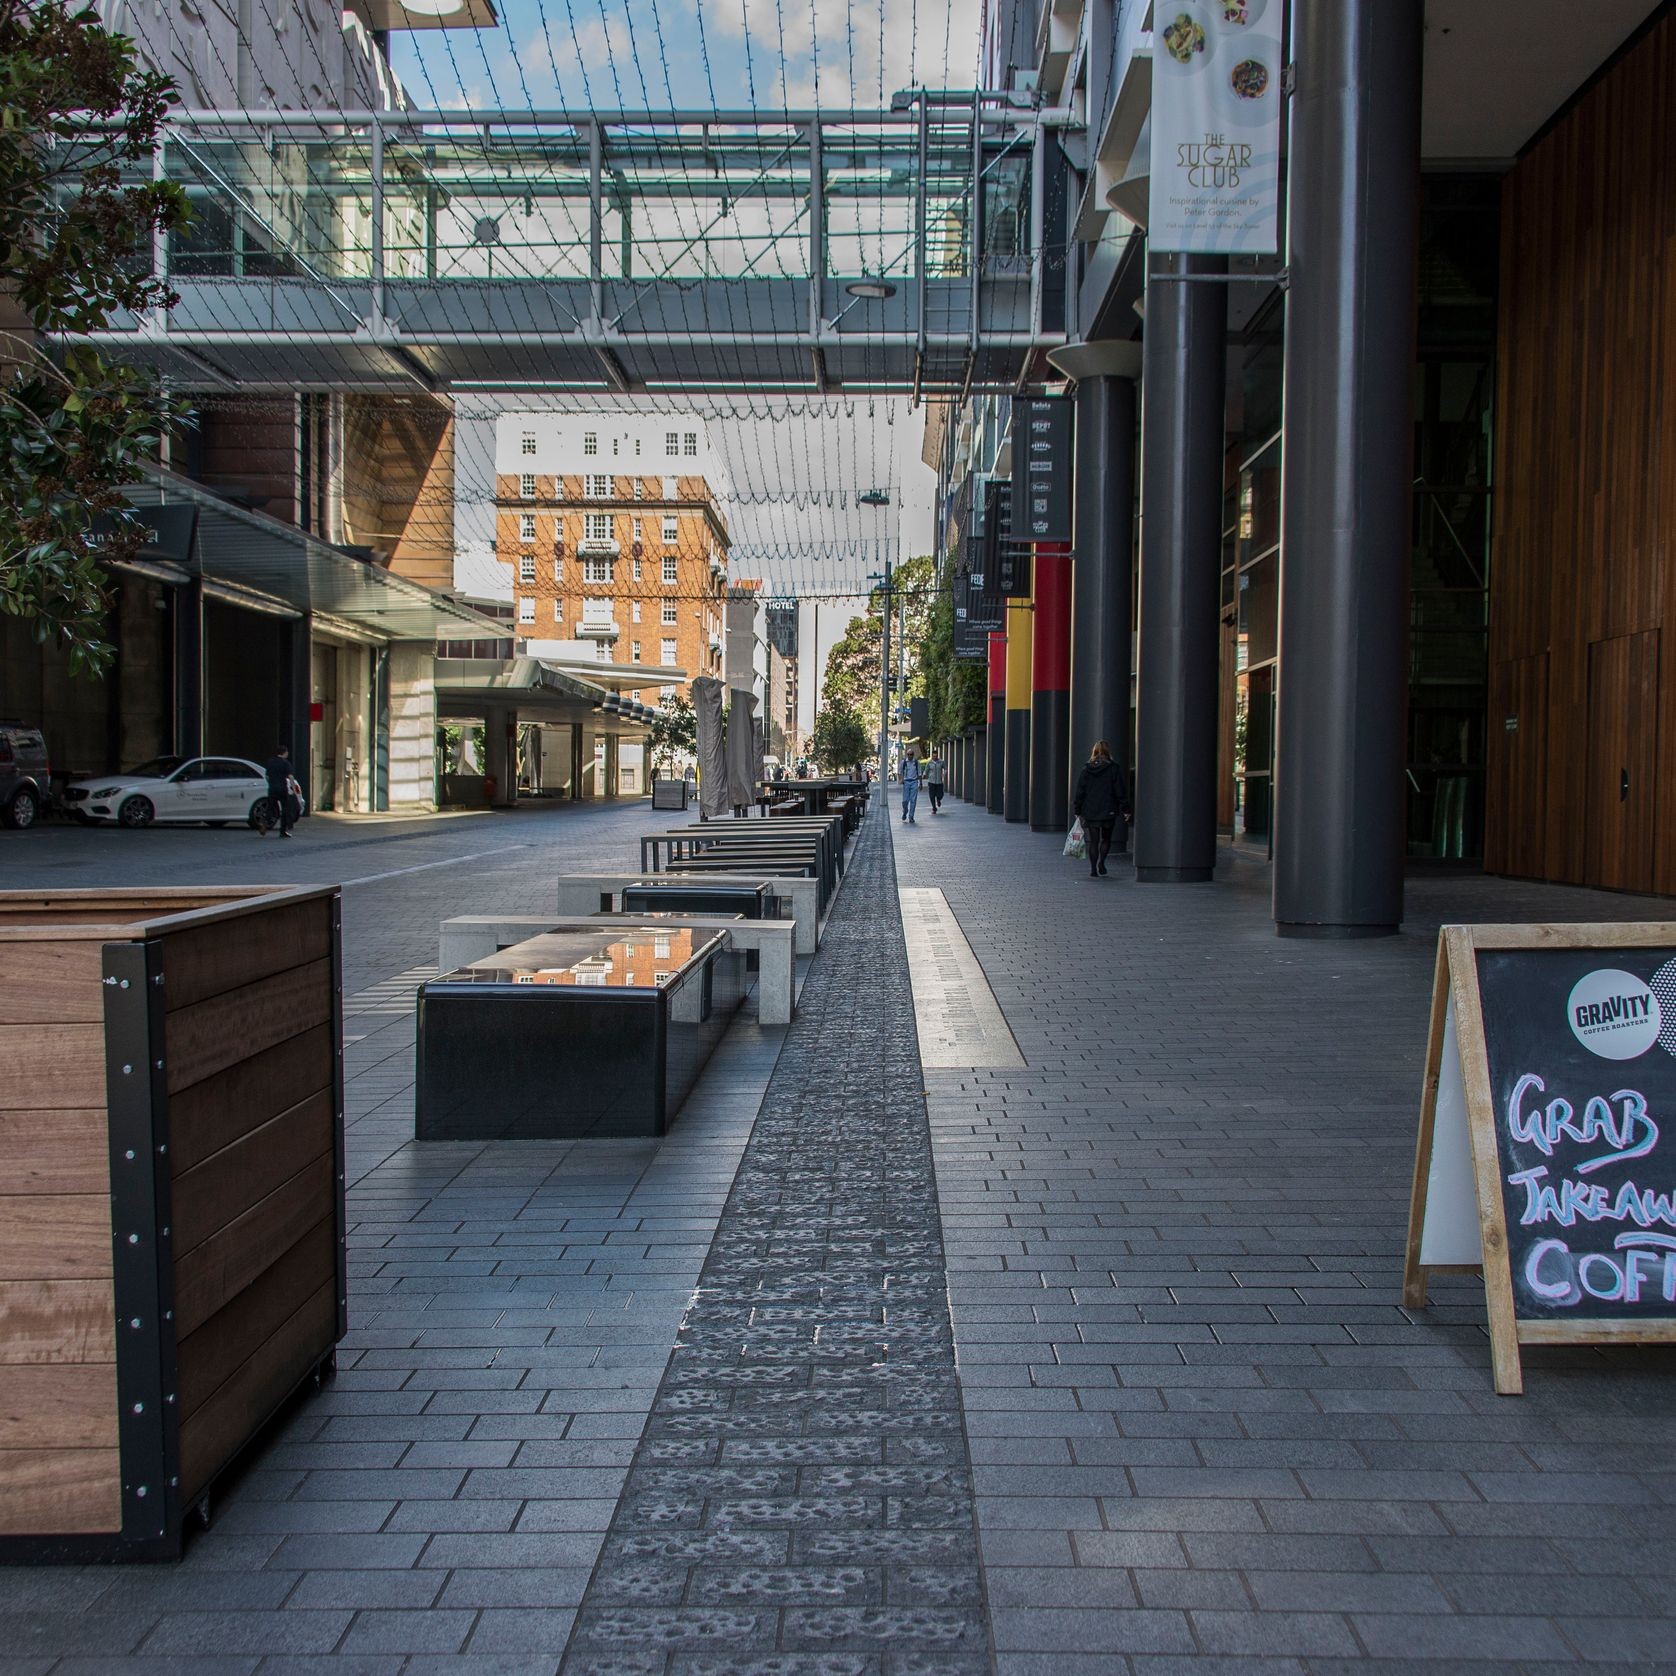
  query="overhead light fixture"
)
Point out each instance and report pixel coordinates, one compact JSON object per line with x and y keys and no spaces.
{"x":433,"y":8}
{"x":872,"y":497}
{"x":874,"y":290}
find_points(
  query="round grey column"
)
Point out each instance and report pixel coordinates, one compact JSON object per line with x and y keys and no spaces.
{"x":1182,"y":396}
{"x":1347,"y":493}
{"x":1103,"y":569}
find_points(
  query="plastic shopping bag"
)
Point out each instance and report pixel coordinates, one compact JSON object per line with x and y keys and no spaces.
{"x":1075,"y":846}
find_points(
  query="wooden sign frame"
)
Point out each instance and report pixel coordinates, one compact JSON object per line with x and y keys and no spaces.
{"x":1456,"y":979}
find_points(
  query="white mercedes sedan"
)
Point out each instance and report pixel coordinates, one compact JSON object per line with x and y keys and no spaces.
{"x":211,"y":790}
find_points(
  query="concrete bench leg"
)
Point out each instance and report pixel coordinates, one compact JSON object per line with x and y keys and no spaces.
{"x":775,"y":981}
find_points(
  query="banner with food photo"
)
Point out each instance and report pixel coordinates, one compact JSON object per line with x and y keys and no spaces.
{"x":1216,"y":92}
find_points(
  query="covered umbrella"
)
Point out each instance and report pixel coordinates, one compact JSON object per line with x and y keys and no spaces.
{"x":741,"y":750}
{"x":712,"y":753}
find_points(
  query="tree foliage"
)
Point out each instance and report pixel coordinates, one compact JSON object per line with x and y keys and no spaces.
{"x":852,"y":665}
{"x":840,"y":739}
{"x":956,"y":689}
{"x":78,"y":209}
{"x":673,"y":731}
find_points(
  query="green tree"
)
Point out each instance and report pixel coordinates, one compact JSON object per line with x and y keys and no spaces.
{"x":852,"y":665}
{"x":840,"y":739}
{"x":955,"y":688}
{"x":76,"y":226}
{"x":672,"y":731}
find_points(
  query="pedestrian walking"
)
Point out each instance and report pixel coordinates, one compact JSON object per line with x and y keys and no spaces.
{"x":910,"y":786}
{"x":934,"y":782}
{"x":1102,"y":800}
{"x":282,"y":806}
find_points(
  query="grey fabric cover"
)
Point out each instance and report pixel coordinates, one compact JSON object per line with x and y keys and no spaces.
{"x":741,"y":749}
{"x":712,"y":751}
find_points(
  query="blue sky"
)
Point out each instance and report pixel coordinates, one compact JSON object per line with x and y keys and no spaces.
{"x":662,"y":54}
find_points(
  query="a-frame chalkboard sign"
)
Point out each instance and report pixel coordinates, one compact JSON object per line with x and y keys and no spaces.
{"x":1550,"y":1076}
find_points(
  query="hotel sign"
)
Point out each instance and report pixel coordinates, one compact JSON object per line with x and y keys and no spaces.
{"x":1216,"y":94}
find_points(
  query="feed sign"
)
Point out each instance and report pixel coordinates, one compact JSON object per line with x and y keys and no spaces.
{"x":1216,"y":92}
{"x":1547,"y":1154}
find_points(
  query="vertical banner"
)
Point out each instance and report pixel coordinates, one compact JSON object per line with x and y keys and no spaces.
{"x":1216,"y":93}
{"x":1044,"y":449}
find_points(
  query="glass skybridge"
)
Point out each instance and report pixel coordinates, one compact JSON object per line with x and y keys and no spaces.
{"x":804,"y":251}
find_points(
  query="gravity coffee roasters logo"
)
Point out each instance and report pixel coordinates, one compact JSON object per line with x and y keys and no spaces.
{"x":1214,"y":163}
{"x":1614,"y":1014}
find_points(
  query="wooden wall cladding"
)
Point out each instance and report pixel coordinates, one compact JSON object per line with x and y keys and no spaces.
{"x":244,"y":1113}
{"x":1586,"y":482}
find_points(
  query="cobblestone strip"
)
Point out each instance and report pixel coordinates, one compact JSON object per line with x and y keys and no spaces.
{"x":801,"y":1499}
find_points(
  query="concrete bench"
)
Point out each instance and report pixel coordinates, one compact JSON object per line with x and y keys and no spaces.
{"x":587,"y":893}
{"x":472,"y":937}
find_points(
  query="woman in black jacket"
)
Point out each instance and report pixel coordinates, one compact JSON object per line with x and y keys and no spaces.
{"x":1101,"y":801}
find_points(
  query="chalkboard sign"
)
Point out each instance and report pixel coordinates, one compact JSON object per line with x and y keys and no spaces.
{"x":1547,"y":1154}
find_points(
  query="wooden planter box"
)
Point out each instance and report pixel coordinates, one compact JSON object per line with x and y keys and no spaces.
{"x":171,"y":1202}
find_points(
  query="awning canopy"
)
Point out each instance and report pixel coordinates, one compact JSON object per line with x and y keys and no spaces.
{"x":249,"y":559}
{"x":538,"y":691}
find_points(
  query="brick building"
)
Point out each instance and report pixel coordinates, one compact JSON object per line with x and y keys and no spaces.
{"x":614,"y":539}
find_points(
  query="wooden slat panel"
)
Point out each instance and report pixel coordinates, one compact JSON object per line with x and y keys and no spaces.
{"x":59,"y":1492}
{"x":57,"y":1407}
{"x":55,"y":1152}
{"x":54,"y":1236}
{"x":230,"y":1181}
{"x":221,"y":1426}
{"x":49,"y":982}
{"x":219,"y":1032}
{"x":206,"y":960}
{"x":1586,"y":457}
{"x":214,"y":1113}
{"x":52,"y":1067}
{"x":212,"y":1354}
{"x":57,"y":1321}
{"x":223,"y":1265}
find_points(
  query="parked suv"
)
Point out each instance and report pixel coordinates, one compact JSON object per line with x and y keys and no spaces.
{"x":25,"y":774}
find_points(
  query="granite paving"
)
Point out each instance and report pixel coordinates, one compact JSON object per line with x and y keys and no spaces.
{"x":1205,"y":1433}
{"x":801,"y":1498}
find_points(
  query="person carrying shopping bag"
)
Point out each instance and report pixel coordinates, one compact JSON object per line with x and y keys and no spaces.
{"x":1102,"y":799}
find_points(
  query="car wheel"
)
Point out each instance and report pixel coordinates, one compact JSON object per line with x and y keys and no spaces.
{"x":135,"y":811}
{"x":22,"y":809}
{"x":258,"y":818}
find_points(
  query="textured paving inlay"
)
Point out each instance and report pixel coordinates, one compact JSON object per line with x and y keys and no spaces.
{"x":960,"y":1024}
{"x":801,"y":1499}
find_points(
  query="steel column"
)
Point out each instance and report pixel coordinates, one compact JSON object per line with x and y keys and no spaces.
{"x":979,"y":793}
{"x":1103,"y":573}
{"x":1182,"y":397}
{"x":1347,"y":496}
{"x":995,"y":755}
{"x":1050,"y":676}
{"x":1016,"y":797}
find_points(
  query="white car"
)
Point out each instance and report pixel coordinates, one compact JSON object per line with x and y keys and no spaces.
{"x":213,"y":790}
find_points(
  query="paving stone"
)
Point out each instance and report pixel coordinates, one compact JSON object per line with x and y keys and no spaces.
{"x":818,"y":1337}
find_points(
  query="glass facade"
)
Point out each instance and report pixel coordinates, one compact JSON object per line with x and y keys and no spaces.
{"x":1454,"y":390}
